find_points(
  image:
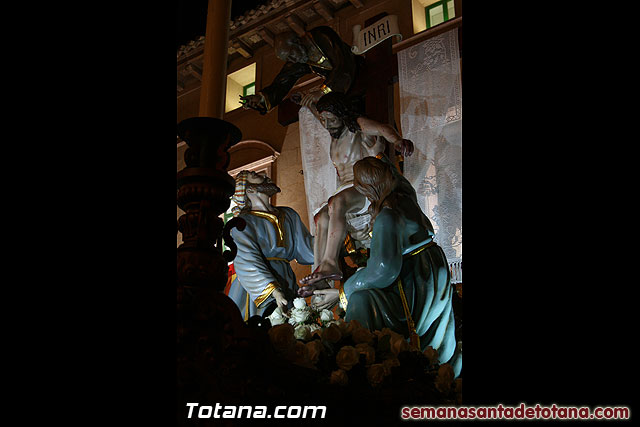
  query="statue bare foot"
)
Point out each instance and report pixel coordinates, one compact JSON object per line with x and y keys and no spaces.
{"x":307,"y":291}
{"x":321,"y":274}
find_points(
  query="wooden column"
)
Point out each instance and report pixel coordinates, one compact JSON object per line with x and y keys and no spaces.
{"x":214,"y":67}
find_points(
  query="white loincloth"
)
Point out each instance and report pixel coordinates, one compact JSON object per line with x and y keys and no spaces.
{"x":357,"y":222}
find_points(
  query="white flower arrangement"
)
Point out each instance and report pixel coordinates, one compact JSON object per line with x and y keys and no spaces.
{"x":305,"y":320}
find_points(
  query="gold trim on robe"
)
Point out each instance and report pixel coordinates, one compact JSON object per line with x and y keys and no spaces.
{"x":413,"y":335}
{"x":267,"y":104}
{"x":268,"y":290}
{"x":278,"y":223}
{"x":343,"y":298}
{"x":418,"y":250}
{"x":415,"y":338}
{"x":349,"y":245}
{"x":323,"y":62}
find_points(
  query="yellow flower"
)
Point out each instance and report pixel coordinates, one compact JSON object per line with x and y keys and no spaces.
{"x":390,"y":363}
{"x":300,"y":355}
{"x":432,"y":355}
{"x":375,"y":374}
{"x":352,"y":326}
{"x":281,"y":337}
{"x":315,"y":329}
{"x":314,"y":348}
{"x":368,"y":351}
{"x":362,"y":335}
{"x":302,"y":332}
{"x":332,"y":334}
{"x":398,"y":344}
{"x":341,"y":324}
{"x":339,"y":377}
{"x":387,"y":331}
{"x":444,"y":378}
{"x":347,"y":357}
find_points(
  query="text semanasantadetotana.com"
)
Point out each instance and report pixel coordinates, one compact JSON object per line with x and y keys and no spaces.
{"x":514,"y":413}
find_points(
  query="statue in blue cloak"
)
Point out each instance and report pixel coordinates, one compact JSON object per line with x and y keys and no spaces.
{"x":405,"y":285}
{"x":272,"y":238}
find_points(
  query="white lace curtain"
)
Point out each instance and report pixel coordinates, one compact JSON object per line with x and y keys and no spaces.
{"x":320,"y":178}
{"x":431,"y":117}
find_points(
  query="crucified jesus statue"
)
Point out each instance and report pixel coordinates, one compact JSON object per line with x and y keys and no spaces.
{"x":353,"y":137}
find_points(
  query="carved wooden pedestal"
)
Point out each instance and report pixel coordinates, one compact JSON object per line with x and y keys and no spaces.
{"x":209,"y":324}
{"x":204,"y":192}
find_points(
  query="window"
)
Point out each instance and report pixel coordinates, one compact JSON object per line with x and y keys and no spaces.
{"x":241,"y":82}
{"x":249,"y":89}
{"x":429,"y":13}
{"x":439,"y":12}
